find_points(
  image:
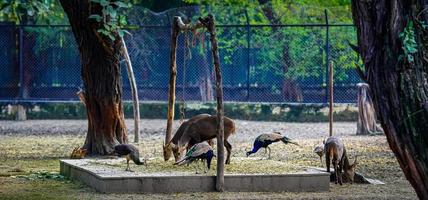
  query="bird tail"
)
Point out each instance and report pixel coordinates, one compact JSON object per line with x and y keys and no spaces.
{"x":287,"y":140}
{"x":136,"y":159}
{"x":182,"y":161}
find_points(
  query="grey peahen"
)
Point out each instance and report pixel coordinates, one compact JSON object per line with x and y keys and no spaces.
{"x":130,"y":152}
{"x":200,"y":151}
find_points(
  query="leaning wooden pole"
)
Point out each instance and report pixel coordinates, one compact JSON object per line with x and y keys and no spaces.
{"x":330,"y":113}
{"x":172,"y":79}
{"x":219,"y":93}
{"x":134,"y":91}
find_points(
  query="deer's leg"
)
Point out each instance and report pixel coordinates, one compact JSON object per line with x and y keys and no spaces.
{"x":336,"y":171}
{"x":339,"y":168}
{"x":229,"y":151}
{"x":327,"y":162}
{"x":269,"y":152}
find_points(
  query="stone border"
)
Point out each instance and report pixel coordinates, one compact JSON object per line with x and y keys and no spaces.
{"x":296,"y":182}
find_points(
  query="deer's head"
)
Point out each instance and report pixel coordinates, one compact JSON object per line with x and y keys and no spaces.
{"x":167,"y":151}
{"x":350,"y":171}
{"x":177,"y":151}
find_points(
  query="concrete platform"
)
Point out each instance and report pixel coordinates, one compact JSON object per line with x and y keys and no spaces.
{"x":108,"y":180}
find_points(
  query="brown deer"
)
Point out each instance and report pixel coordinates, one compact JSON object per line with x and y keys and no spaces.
{"x":336,"y":152}
{"x":204,"y":129}
{"x":171,"y":146}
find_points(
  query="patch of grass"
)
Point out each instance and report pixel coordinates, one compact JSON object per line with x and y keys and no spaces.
{"x":30,"y":156}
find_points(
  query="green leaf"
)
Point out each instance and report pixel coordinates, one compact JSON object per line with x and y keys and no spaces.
{"x":96,"y":17}
{"x":111,"y":37}
{"x":121,"y":4}
{"x":104,"y":3}
{"x":121,"y":33}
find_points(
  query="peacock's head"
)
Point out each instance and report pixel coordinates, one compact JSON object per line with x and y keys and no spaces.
{"x":248,"y":153}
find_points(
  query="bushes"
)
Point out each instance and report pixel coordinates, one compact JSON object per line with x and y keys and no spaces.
{"x":158,"y":110}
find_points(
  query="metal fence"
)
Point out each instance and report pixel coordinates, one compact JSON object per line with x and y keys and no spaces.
{"x":260,"y":63}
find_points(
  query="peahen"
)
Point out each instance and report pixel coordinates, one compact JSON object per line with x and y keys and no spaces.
{"x":264,"y":140}
{"x":200,"y":151}
{"x":130,"y":152}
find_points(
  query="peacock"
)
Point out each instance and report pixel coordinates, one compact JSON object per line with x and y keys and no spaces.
{"x":130,"y":152}
{"x":264,"y":140}
{"x":200,"y":151}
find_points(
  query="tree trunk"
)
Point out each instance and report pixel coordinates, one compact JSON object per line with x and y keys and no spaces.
{"x":101,"y":78}
{"x":134,"y":91}
{"x":396,"y":71}
{"x":172,"y":79}
{"x":291,"y":91}
{"x":220,"y":114}
{"x":366,"y":114}
{"x":205,"y":84}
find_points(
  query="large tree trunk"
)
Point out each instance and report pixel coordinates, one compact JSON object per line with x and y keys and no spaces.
{"x":399,"y":85}
{"x":101,"y":78}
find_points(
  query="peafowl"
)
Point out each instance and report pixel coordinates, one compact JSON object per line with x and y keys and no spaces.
{"x":264,"y":140}
{"x":200,"y":151}
{"x":130,"y":152}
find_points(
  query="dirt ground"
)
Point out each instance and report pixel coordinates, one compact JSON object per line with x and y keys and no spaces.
{"x":30,"y":153}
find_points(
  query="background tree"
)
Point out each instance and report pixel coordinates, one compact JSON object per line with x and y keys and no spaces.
{"x":393,"y":43}
{"x":99,"y":47}
{"x":289,"y":60}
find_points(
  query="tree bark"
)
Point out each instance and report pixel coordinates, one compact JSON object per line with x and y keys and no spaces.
{"x":398,"y":82}
{"x":101,"y":78}
{"x":330,"y":97}
{"x":134,"y":91}
{"x":172,"y":79}
{"x":366,"y":114}
{"x":220,"y":114}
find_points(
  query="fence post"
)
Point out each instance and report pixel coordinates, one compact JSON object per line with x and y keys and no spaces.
{"x":20,"y":109}
{"x":20,"y":61}
{"x":327,"y":55}
{"x":248,"y":55}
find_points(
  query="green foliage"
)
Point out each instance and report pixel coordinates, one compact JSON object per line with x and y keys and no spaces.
{"x":31,"y":11}
{"x":409,"y":43}
{"x":296,"y":53}
{"x":43,"y":175}
{"x":111,"y":18}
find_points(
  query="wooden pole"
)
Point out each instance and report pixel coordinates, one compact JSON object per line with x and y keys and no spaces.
{"x":172,"y":79}
{"x":219,"y":93}
{"x":134,"y":91}
{"x":330,"y":114}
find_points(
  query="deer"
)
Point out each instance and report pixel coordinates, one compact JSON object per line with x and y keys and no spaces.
{"x":171,"y":146}
{"x":204,"y":129}
{"x":336,"y":152}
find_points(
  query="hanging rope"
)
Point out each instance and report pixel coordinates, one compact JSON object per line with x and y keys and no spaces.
{"x":186,"y":55}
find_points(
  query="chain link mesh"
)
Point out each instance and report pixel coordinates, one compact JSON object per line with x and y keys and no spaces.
{"x":260,"y":63}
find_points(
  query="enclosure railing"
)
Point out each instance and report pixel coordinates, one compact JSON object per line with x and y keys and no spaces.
{"x":285,"y":63}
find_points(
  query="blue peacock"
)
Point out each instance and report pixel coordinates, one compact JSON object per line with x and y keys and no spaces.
{"x":200,"y":151}
{"x":264,"y":140}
